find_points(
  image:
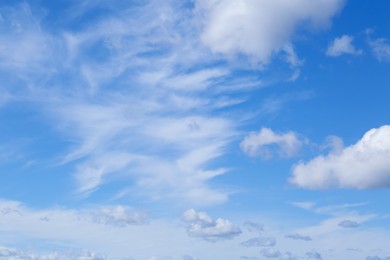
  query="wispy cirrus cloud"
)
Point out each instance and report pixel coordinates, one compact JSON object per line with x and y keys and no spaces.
{"x":342,"y":45}
{"x":380,"y":48}
{"x":140,"y":92}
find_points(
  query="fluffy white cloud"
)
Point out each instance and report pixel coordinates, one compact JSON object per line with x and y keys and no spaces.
{"x":363,"y":165}
{"x":381,"y":49}
{"x":266,"y":143}
{"x":342,"y":45}
{"x":201,"y":225}
{"x":259,"y":28}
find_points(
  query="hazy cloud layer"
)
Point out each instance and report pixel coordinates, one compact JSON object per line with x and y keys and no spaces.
{"x":15,"y":254}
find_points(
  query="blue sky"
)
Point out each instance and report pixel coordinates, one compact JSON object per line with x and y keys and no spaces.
{"x":203,"y":129}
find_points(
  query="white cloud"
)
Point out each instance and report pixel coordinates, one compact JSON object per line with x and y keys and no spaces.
{"x":254,"y":227}
{"x":259,"y":28}
{"x":118,"y":216}
{"x":329,"y":210}
{"x":297,"y":236}
{"x":201,"y":225}
{"x":24,"y":44}
{"x":362,"y":165}
{"x":260,"y":241}
{"x":332,"y":225}
{"x":313,"y":255}
{"x":37,"y":229}
{"x":16,"y":254}
{"x":266,"y":143}
{"x":153,"y":124}
{"x":375,"y":257}
{"x":348,"y":224}
{"x":270,"y":252}
{"x":342,"y":45}
{"x":381,"y":49}
{"x":147,"y":108}
{"x":188,"y":257}
{"x":304,"y":204}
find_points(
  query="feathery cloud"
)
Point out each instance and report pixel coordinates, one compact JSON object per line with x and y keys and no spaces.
{"x":342,"y":45}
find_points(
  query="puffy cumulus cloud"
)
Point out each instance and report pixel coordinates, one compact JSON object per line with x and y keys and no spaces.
{"x":381,"y":49}
{"x":348,"y":224}
{"x":259,"y":28}
{"x":363,"y":165}
{"x":118,"y":216}
{"x":266,"y":143}
{"x":260,"y":241}
{"x":201,"y":225}
{"x":297,"y":236}
{"x":342,"y":45}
